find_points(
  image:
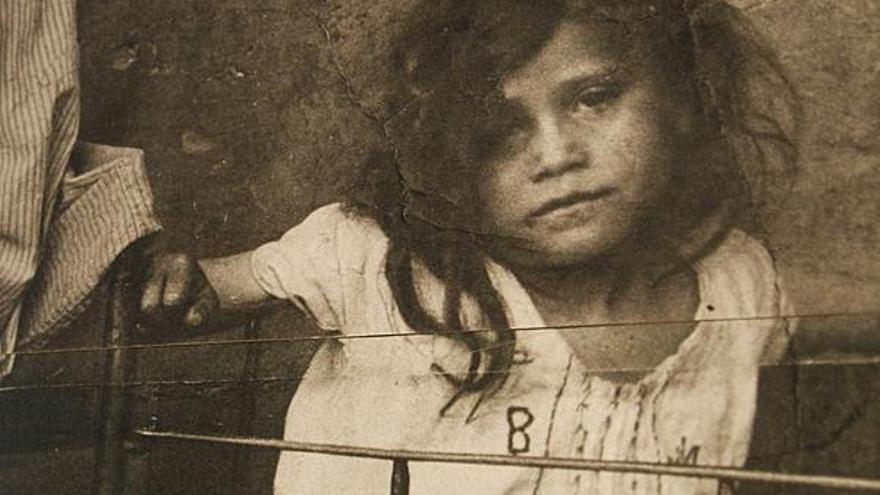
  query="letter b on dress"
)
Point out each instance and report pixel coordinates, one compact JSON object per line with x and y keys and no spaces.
{"x":518,"y":420}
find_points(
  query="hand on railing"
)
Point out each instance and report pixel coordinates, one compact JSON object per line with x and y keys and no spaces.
{"x":176,"y":292}
{"x":205,"y":295}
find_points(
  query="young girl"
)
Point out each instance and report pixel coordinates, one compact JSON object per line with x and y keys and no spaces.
{"x":565,"y":172}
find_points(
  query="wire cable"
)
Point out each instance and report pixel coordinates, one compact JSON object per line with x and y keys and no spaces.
{"x":710,"y":472}
{"x":803,"y":363}
{"x":335,"y":335}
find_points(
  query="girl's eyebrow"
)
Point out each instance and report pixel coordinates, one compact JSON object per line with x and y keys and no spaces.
{"x":591,"y":75}
{"x":576,"y":78}
{"x":570,"y":87}
{"x":578,"y":83}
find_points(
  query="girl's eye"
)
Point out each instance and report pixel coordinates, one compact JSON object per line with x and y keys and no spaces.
{"x":596,"y":97}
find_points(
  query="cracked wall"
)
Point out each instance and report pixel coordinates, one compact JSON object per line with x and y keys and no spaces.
{"x":254,"y":113}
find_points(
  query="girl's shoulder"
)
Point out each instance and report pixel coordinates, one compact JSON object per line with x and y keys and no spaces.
{"x":738,"y":247}
{"x":324,"y":263}
{"x":741,"y":280}
{"x":340,"y":227}
{"x":331,"y":240}
{"x":742,"y":267}
{"x":341,"y":218}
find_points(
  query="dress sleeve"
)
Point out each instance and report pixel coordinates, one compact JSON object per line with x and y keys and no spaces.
{"x":318,"y":264}
{"x":779,"y":346}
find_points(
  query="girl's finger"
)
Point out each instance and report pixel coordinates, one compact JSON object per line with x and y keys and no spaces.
{"x":206,"y":305}
{"x":152,"y":291}
{"x":177,"y":283}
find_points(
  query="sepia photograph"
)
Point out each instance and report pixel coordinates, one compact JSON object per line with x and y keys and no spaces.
{"x":430,"y":247}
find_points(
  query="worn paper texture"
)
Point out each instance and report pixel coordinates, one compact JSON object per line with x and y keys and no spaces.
{"x":252,"y":115}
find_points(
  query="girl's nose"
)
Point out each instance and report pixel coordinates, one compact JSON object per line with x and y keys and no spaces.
{"x":555,"y":151}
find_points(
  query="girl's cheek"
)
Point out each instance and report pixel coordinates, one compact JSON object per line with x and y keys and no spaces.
{"x":506,"y":154}
{"x":504,"y":174}
{"x":491,"y":195}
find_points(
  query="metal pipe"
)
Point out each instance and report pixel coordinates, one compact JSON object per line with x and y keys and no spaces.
{"x":709,"y":472}
{"x":113,"y":398}
{"x":400,"y":477}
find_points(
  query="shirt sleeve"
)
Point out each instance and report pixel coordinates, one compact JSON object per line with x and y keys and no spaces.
{"x":779,"y":346}
{"x":39,"y":117}
{"x":319,"y":264}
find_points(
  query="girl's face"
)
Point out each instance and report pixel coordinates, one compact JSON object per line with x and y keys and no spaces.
{"x":587,"y":155}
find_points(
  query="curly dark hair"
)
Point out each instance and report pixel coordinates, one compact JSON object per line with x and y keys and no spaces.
{"x":447,"y":119}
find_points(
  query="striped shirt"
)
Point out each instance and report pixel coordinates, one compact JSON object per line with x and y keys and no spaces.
{"x":58,"y":231}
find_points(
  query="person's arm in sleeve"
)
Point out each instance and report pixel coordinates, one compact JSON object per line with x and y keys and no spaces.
{"x":203,"y":292}
{"x":302,"y":268}
{"x":39,"y":117}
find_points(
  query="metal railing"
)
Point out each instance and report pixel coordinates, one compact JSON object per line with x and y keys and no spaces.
{"x":114,"y":401}
{"x":402,"y":458}
{"x":115,"y":429}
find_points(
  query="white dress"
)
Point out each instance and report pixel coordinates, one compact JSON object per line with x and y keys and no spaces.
{"x":696,"y":407}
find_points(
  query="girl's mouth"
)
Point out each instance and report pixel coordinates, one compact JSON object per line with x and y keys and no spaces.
{"x":564,"y":202}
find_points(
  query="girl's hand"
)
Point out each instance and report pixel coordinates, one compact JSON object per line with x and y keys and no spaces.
{"x":176,"y":291}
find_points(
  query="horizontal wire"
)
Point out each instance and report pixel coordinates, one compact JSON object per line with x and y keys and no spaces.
{"x":719,"y":473}
{"x":336,"y":335}
{"x":806,"y":363}
{"x":149,"y":383}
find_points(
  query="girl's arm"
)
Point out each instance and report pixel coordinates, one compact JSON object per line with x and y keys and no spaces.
{"x":234,"y":282}
{"x":195,"y":293}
